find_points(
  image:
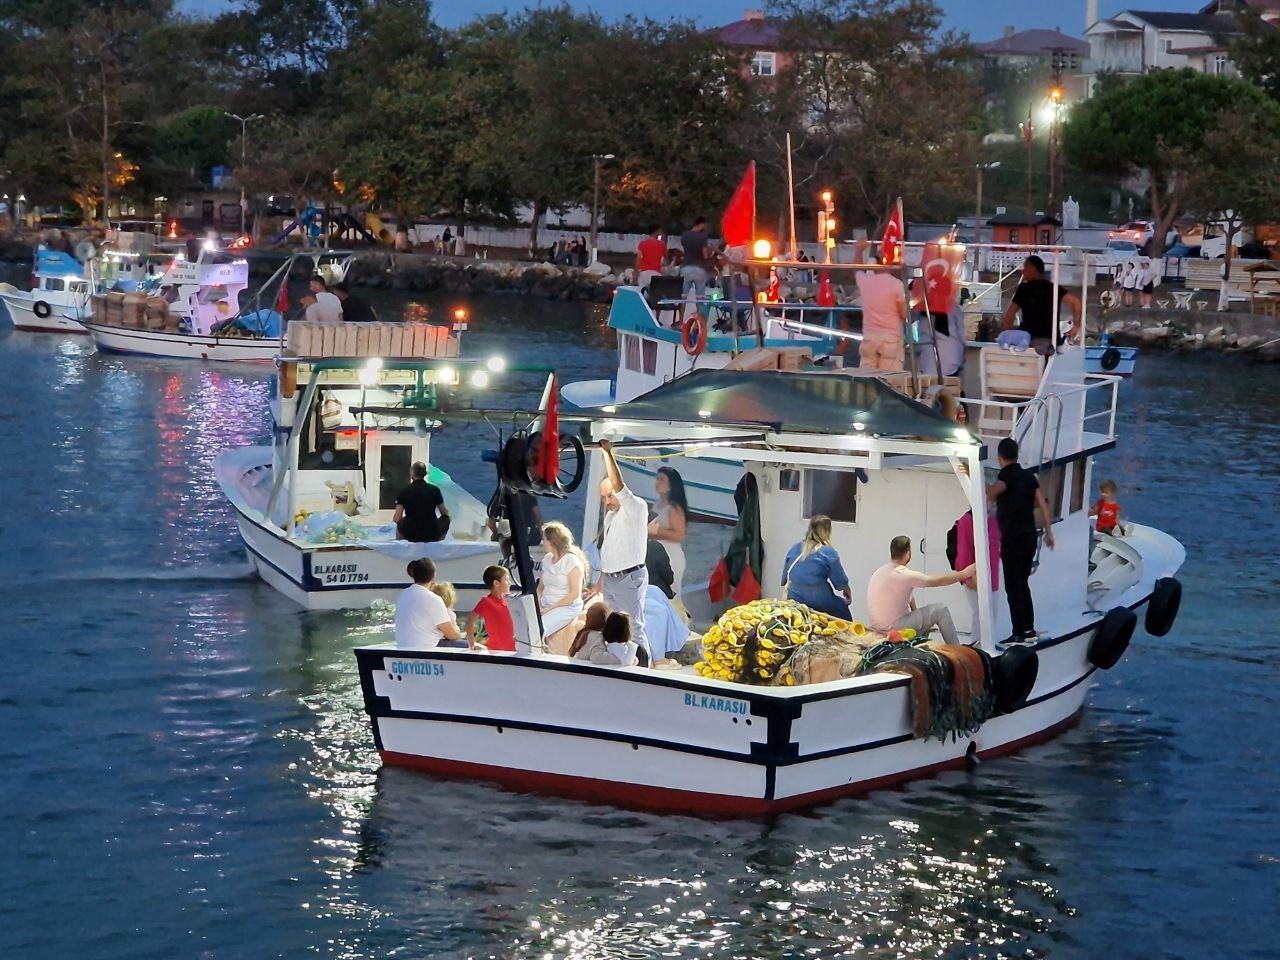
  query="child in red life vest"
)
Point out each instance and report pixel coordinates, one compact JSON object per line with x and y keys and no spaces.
{"x":1106,"y":509}
{"x":492,"y":611}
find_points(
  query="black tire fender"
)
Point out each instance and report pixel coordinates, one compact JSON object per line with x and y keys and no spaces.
{"x":1014,"y":675}
{"x":1112,"y":638}
{"x":41,"y":309}
{"x":1110,"y":359}
{"x":1162,"y":608}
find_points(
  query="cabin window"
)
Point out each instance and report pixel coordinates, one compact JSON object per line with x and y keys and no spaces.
{"x":631,"y":353}
{"x":833,"y":492}
{"x":650,"y":350}
{"x":1051,"y":483}
{"x":54,"y":283}
{"x":789,"y":480}
{"x":1079,"y":477}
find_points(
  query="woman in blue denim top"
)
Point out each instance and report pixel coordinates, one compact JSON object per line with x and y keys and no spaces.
{"x":812,"y":572}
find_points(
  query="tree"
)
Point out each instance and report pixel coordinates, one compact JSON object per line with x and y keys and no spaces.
{"x":1228,"y":177}
{"x":880,"y":100}
{"x":1153,"y":127}
{"x":1256,"y":51}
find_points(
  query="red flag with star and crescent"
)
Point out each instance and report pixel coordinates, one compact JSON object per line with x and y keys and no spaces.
{"x":891,"y":242}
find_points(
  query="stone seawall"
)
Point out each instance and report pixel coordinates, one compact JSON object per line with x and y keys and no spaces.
{"x":422,"y":272}
{"x":1257,"y":335}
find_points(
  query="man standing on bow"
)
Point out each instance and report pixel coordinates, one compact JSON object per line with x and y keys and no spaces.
{"x":624,"y":580}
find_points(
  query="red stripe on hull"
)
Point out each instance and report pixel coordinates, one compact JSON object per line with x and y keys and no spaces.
{"x":28,"y":328}
{"x":633,"y":796}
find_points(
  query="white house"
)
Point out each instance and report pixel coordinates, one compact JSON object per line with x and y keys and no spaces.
{"x":1137,"y":41}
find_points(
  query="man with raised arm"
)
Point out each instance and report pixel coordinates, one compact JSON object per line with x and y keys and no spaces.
{"x":624,"y":580}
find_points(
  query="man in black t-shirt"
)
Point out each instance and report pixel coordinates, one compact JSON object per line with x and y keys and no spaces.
{"x":1034,"y":298}
{"x":354,"y":309}
{"x":416,"y":509}
{"x":1017,"y":496}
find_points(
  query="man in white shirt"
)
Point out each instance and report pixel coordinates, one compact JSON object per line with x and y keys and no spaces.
{"x":422,"y":619}
{"x":326,"y":307}
{"x":890,"y":604}
{"x":624,"y":579}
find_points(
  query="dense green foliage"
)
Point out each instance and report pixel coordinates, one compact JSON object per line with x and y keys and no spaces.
{"x":1159,"y":126}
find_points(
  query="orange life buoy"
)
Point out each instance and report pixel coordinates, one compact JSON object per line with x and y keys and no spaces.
{"x":694,"y":335}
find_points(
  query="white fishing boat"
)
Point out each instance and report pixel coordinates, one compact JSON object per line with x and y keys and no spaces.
{"x":881,"y":465}
{"x":199,"y":309}
{"x":62,"y":285}
{"x":315,"y":508}
{"x":657,"y":344}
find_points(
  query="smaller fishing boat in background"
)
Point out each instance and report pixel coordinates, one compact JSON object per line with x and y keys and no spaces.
{"x":315,"y":508}
{"x":59,"y":293}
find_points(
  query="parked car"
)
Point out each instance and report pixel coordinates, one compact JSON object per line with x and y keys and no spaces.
{"x":1117,"y":251}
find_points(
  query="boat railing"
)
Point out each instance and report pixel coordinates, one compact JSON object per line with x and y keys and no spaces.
{"x":1047,"y":413}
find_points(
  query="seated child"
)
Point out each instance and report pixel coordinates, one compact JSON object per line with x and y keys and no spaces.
{"x":492,"y":614}
{"x":593,"y":622}
{"x":1106,"y":509}
{"x":611,"y":645}
{"x":446,"y":593}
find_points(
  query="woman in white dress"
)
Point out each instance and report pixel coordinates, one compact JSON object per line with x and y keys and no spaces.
{"x":564,"y":571}
{"x":669,"y":527}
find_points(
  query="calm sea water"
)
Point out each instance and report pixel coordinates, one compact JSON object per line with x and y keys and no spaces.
{"x":187,"y":771}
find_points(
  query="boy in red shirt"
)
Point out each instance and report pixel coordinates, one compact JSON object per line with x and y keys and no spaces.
{"x":493,"y":613}
{"x":1106,"y":509}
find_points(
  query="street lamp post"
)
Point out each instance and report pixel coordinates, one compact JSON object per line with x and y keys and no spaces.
{"x":827,"y":224}
{"x":977,"y":216}
{"x":244,"y":141}
{"x":595,"y":198}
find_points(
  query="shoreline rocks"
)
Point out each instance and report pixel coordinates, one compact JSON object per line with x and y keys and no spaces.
{"x":1256,"y":335}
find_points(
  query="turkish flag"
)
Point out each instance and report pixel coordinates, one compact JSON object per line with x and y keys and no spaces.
{"x":941,"y":270}
{"x":891,"y":242}
{"x":551,"y":435}
{"x":740,"y":215}
{"x":826,"y":296}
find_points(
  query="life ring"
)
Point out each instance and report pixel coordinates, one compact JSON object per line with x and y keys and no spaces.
{"x":41,"y":309}
{"x":1110,"y":359}
{"x":1108,"y":299}
{"x":1112,"y":639}
{"x":1013,"y":675}
{"x":693,"y":335}
{"x":1162,"y":608}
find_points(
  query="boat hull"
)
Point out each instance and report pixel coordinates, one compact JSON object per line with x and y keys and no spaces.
{"x":23,"y":316}
{"x":654,"y":740}
{"x":345,"y":577}
{"x":185,"y":346}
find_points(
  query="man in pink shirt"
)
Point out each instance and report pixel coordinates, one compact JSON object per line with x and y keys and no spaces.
{"x":890,"y":604}
{"x":884,"y":310}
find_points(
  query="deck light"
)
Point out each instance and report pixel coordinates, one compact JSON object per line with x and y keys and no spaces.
{"x":609,"y":409}
{"x":704,"y":413}
{"x":480,"y":379}
{"x":859,"y":427}
{"x":369,"y":372}
{"x":496,"y":364}
{"x":460,"y":314}
{"x":762,"y":249}
{"x":446,"y":375}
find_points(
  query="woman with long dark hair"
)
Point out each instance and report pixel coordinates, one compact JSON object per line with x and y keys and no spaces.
{"x":670,"y":525}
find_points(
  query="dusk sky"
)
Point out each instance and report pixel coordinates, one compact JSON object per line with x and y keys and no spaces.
{"x":981,"y":19}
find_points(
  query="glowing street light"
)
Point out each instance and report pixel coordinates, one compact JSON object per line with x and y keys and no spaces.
{"x":762,"y":249}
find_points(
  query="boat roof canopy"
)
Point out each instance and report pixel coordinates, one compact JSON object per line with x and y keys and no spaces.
{"x":812,"y":403}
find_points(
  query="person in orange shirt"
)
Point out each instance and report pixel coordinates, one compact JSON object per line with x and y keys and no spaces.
{"x":1106,"y":509}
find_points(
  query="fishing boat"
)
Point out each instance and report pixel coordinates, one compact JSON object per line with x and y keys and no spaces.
{"x":199,"y":309}
{"x":61,"y":285}
{"x":881,"y":465}
{"x":662,"y":336}
{"x":315,"y":507}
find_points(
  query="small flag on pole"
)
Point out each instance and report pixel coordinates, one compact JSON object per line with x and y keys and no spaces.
{"x":891,"y":242}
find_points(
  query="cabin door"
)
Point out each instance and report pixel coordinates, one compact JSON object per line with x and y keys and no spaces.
{"x":388,"y":457}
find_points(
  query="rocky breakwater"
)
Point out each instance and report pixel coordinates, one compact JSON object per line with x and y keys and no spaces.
{"x":1255,"y":335}
{"x":421,"y":272}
